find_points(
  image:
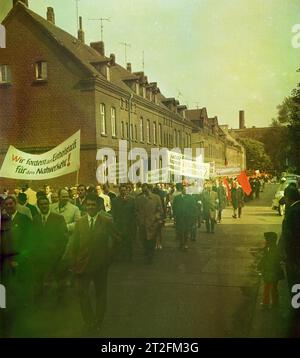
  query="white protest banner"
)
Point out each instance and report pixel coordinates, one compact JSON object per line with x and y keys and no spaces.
{"x":63,"y":159}
{"x":229,"y":171}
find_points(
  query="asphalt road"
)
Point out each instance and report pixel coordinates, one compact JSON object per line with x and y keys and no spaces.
{"x":211,"y":290}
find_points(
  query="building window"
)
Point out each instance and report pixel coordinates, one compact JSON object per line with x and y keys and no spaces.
{"x":135,"y":132}
{"x":144,"y":92}
{"x":127,"y":130}
{"x":178,"y":139}
{"x":148,"y":131}
{"x":41,"y":70}
{"x":142,"y":129}
{"x":103,"y":118}
{"x":5,"y":74}
{"x":154,"y":133}
{"x":122,"y":129}
{"x":113,"y":122}
{"x":107,"y":70}
{"x":160,"y":134}
{"x":175,"y":137}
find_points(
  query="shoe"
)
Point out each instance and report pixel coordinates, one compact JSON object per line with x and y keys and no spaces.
{"x":234,"y":216}
{"x":185,"y":247}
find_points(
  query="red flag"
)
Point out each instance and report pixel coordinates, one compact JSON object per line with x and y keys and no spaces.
{"x":225,"y":181}
{"x":244,"y":183}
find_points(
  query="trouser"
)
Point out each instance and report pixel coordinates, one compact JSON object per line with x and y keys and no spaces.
{"x":220,"y":214}
{"x":210,"y":224}
{"x":149,"y":243}
{"x":127,"y":244}
{"x":238,"y":210}
{"x":182,"y":237}
{"x":270,"y":289}
{"x":83,"y":281}
{"x":194,"y":231}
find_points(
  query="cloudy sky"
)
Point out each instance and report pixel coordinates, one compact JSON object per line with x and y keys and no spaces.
{"x":225,"y":55}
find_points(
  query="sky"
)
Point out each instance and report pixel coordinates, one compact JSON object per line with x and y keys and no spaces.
{"x":225,"y":55}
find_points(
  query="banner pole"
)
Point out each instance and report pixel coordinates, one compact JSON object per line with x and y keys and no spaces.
{"x":77,"y":177}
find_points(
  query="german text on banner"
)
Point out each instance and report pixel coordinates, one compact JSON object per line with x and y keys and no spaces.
{"x":62,"y":160}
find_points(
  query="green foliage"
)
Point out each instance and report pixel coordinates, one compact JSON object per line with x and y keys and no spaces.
{"x":256,"y":156}
{"x":289,"y":116}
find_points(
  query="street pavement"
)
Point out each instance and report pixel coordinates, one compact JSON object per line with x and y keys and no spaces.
{"x":211,"y":290}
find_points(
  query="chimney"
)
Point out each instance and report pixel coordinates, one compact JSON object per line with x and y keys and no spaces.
{"x":80,"y":31}
{"x":99,"y":47}
{"x":112,"y":59}
{"x":242,"y":120}
{"x":50,"y":15}
{"x":25,"y":2}
{"x":128,"y":67}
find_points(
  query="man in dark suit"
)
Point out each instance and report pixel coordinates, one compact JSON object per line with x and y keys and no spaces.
{"x":124,"y":216}
{"x":48,"y":243}
{"x":80,"y":201}
{"x":20,"y":233}
{"x":7,"y":264}
{"x":91,"y":256}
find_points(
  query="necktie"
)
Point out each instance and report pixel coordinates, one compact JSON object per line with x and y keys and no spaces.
{"x":92,"y":224}
{"x":44,"y":220}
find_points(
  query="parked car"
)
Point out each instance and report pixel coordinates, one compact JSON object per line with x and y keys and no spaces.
{"x":278,"y":204}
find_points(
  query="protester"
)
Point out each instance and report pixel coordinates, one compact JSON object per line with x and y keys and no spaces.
{"x":271,"y":270}
{"x":209,"y":202}
{"x":237,"y":197}
{"x":48,"y":244}
{"x":149,"y":216}
{"x":91,"y":256}
{"x":80,"y":201}
{"x":124,"y":216}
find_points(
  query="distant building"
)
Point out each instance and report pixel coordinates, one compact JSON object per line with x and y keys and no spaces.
{"x":219,"y":146}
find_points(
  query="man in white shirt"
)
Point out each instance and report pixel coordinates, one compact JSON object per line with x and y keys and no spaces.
{"x":106,"y":198}
{"x":70,"y":212}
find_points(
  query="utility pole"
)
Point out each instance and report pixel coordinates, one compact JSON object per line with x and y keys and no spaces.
{"x":125,"y":44}
{"x":101,"y":19}
{"x":197,"y":105}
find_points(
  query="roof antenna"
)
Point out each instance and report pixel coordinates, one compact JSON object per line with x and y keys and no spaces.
{"x":77,"y":13}
{"x":101,"y":19}
{"x":143,"y":62}
{"x":125,"y":44}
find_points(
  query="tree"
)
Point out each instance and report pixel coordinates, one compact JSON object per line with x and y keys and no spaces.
{"x":256,"y":156}
{"x":289,"y":116}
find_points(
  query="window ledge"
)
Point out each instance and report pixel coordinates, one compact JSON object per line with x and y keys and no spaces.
{"x":5,"y":84}
{"x":114,"y":137}
{"x":103,"y":135}
{"x":40,"y":81}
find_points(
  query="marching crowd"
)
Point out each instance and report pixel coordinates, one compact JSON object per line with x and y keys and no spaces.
{"x":70,"y":236}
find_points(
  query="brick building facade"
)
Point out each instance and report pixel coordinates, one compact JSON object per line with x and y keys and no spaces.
{"x":53,"y":84}
{"x":219,"y":146}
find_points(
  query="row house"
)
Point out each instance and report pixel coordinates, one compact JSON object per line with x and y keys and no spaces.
{"x":219,"y":146}
{"x":52,"y":84}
